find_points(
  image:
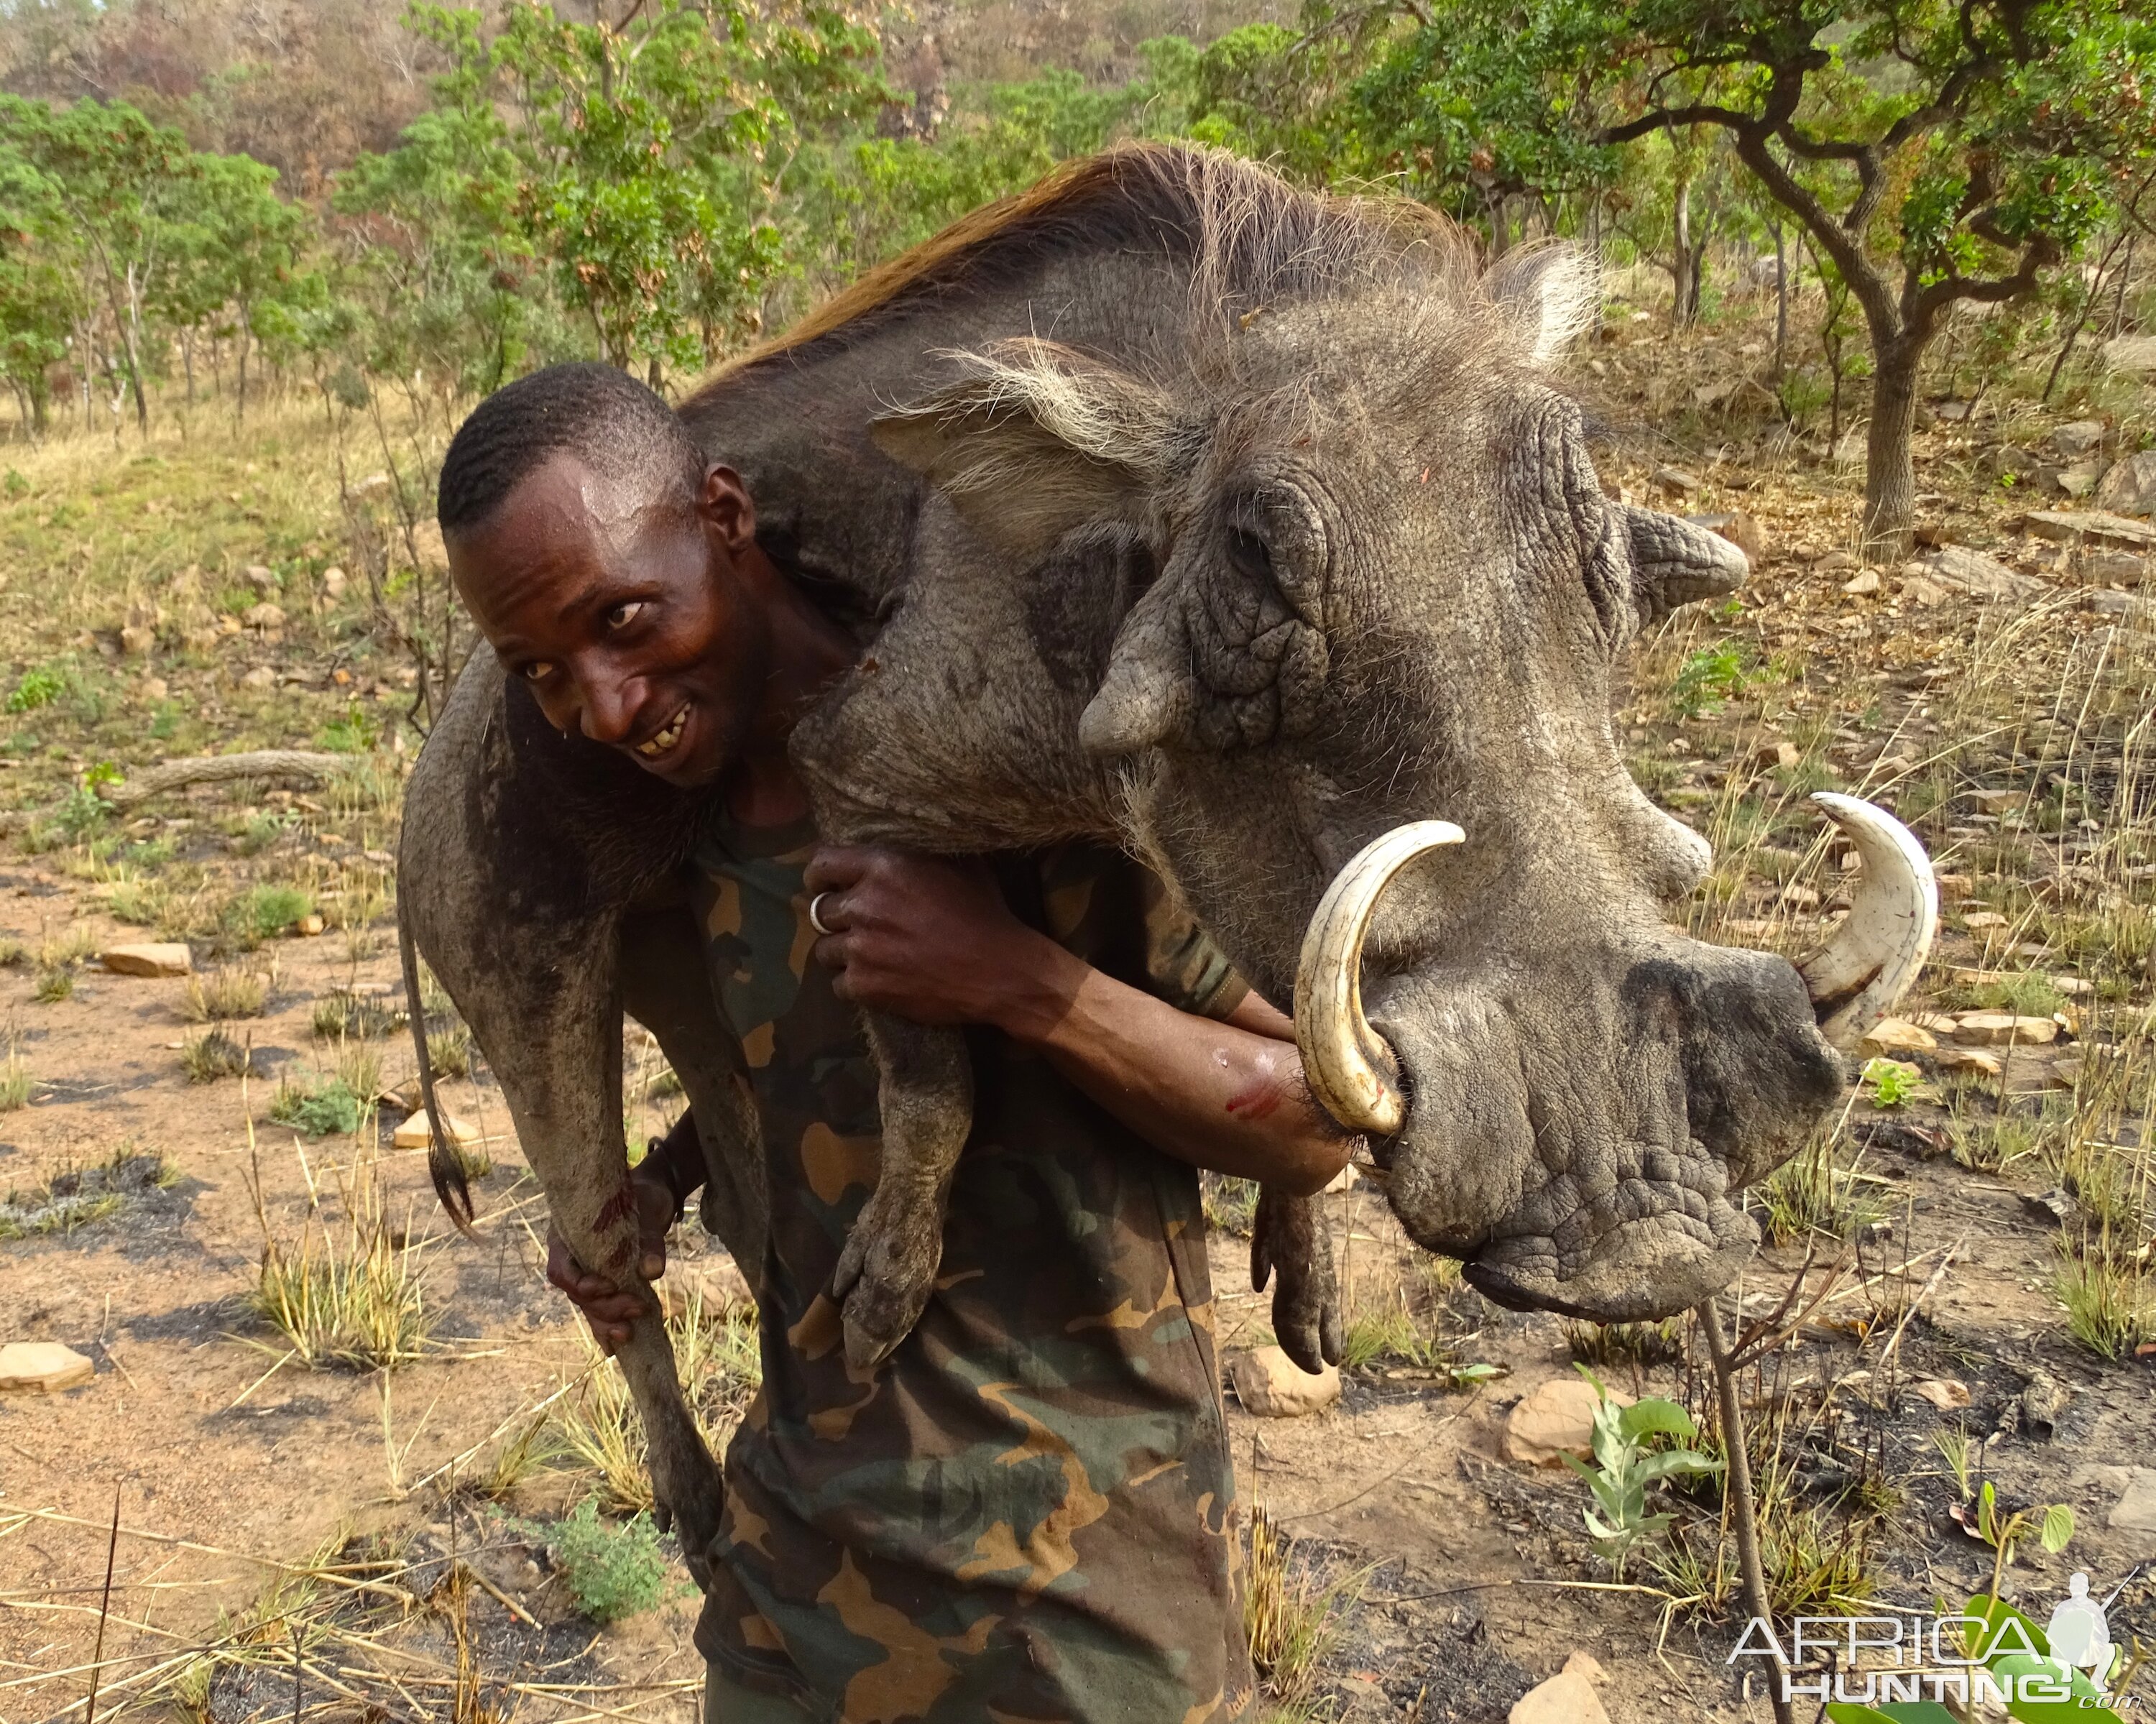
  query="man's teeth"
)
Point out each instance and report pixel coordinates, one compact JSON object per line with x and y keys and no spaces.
{"x":664,"y":742}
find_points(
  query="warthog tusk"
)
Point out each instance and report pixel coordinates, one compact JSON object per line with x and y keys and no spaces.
{"x":1867,"y":962}
{"x":1347,"y":1063}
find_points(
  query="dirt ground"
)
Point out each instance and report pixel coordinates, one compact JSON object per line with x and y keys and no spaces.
{"x":386,"y":1526}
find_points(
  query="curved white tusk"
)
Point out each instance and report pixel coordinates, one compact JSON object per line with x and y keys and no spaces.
{"x":1867,"y":962}
{"x":1345,"y":1062}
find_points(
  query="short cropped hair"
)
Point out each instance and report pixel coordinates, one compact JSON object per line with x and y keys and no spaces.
{"x":603,"y":417}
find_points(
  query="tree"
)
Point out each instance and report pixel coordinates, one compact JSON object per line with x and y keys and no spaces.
{"x":40,"y":274}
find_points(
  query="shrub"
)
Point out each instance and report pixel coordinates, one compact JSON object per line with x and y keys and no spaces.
{"x":221,"y":995}
{"x":317,"y":1110}
{"x":612,"y":1570}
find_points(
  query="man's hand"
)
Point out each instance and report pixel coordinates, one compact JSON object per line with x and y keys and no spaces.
{"x":928,"y":939}
{"x":608,"y":1309}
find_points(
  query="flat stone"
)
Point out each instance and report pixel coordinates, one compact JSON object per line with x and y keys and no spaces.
{"x":1676,"y":479}
{"x":1955,"y":887}
{"x":1897,"y":1035}
{"x":1779,"y":754}
{"x":1923,"y":590}
{"x":2134,"y":1514}
{"x":1270,"y":1385}
{"x":1966,"y":571}
{"x":1996,"y":1029}
{"x":1834,"y":562}
{"x":2080,"y":479}
{"x":261,"y":577}
{"x":2114,"y":569}
{"x":1981,"y":1060}
{"x":1585,"y":1664}
{"x":2134,"y":613}
{"x":260,"y":677}
{"x":136,"y":639}
{"x":1995,"y":801}
{"x":2077,"y":436}
{"x":264,"y":616}
{"x":333,"y":580}
{"x":415,"y":1132}
{"x":152,"y":957}
{"x":1947,"y":1393}
{"x":1554,"y":1420}
{"x":2131,"y":354}
{"x":2130,"y":487}
{"x":1567,"y":1698}
{"x":1862,"y":584}
{"x":1977,"y":920}
{"x":42,"y":1368}
{"x":2090,"y":526}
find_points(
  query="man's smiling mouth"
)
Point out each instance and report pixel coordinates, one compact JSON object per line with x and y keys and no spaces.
{"x":664,"y":742}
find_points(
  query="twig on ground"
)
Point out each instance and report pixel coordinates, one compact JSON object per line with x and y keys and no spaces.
{"x":104,"y":1609}
{"x":1737,"y":1487}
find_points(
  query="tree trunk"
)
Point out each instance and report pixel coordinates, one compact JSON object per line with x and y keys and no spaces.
{"x":1781,"y":307}
{"x":1890,"y":476}
{"x":1680,"y":260}
{"x":239,"y":404}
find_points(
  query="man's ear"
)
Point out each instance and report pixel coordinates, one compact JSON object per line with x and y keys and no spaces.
{"x":726,"y":507}
{"x":1675,"y":563}
{"x":1034,"y":440}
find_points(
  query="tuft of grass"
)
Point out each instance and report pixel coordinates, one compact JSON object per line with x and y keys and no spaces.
{"x":214,"y":1055}
{"x":348,"y":1293}
{"x":611,"y":1571}
{"x":265,"y":910}
{"x":1291,"y":1612}
{"x":2108,"y":1306}
{"x":12,"y":952}
{"x":77,"y":1196}
{"x":341,"y":1013}
{"x":1639,"y":1345}
{"x":53,"y":986}
{"x":78,"y":946}
{"x":1812,"y":1192}
{"x":449,"y":1052}
{"x":1231,"y":1204}
{"x":15,"y":1083}
{"x":218,"y":996}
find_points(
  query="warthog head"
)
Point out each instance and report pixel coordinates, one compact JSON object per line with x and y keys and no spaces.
{"x":1361,"y":702}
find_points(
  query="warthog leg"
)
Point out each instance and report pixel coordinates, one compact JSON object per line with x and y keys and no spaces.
{"x":1291,"y":1235}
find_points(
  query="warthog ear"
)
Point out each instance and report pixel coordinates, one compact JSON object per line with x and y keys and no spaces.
{"x":1675,"y":562}
{"x":1035,"y":440}
{"x":1548,"y":291}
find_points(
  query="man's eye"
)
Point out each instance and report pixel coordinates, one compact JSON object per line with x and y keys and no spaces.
{"x":622,"y":615}
{"x":536,"y":671}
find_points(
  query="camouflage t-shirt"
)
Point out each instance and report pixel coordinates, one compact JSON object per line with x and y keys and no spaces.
{"x":1027,"y":1511}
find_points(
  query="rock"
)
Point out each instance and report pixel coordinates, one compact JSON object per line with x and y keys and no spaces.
{"x":43,"y":1368}
{"x":1741,"y":530}
{"x":1897,"y":1035}
{"x":155,"y":688}
{"x":2113,"y":568}
{"x":1995,"y":801}
{"x":2134,"y":1513}
{"x":1778,"y":754}
{"x":1947,"y":1394}
{"x":154,"y":957}
{"x":1554,"y":1420}
{"x":310,"y":925}
{"x":1834,"y":562}
{"x":2043,"y":1404}
{"x":1270,"y":1385}
{"x":262,"y":676}
{"x":2090,"y":527}
{"x":261,"y":577}
{"x":2138,"y":613}
{"x":1862,"y":584}
{"x":1567,"y":1698}
{"x":2077,"y":437}
{"x":137,"y":638}
{"x":1966,"y":571}
{"x":414,"y":1133}
{"x":1676,"y":479}
{"x":2130,"y":353}
{"x":333,"y":582}
{"x":2130,"y":487}
{"x":1955,"y":887}
{"x":1923,"y":590}
{"x":1981,"y":1060}
{"x":265,"y":615}
{"x":2056,"y":1204}
{"x":1995,"y":1029}
{"x":1585,"y":1664}
{"x":716,"y":1284}
{"x":2081,"y":478}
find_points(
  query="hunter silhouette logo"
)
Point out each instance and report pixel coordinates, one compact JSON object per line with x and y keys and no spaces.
{"x":2080,"y":1634}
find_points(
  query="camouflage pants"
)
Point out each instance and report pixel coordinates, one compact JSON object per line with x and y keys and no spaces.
{"x":726,"y":1701}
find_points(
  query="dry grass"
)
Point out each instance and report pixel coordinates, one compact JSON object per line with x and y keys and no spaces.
{"x":219,"y":996}
{"x":1291,"y":1611}
{"x":348,"y":1292}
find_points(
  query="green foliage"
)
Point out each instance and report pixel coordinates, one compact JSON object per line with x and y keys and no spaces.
{"x":1891,"y":1083}
{"x":266,"y":909}
{"x":1625,"y":1467}
{"x":320,"y":1110}
{"x":1708,"y":678}
{"x":613,"y":1571}
{"x":38,"y":687}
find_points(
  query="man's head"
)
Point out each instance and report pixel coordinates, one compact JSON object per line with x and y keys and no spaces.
{"x":610,"y":566}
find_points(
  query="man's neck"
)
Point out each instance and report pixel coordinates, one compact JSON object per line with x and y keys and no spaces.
{"x":809,"y":651}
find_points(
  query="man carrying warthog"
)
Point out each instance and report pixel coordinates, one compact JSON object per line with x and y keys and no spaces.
{"x":1027,"y":1510}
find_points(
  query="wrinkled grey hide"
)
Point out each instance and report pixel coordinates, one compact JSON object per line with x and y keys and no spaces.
{"x":1190,"y":512}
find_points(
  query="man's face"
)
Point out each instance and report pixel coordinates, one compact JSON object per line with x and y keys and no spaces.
{"x":624,"y":610}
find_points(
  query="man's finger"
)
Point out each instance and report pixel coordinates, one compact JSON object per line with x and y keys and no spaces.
{"x":835,"y":867}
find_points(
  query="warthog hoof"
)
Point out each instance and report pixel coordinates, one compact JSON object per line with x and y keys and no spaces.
{"x":884,"y":1278}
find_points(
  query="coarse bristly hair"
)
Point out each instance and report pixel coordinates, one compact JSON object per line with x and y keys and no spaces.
{"x":604,"y":417}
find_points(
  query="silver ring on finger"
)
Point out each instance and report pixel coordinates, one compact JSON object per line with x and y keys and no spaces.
{"x":815,"y":920}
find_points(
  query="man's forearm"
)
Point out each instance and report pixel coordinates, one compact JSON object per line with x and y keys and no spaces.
{"x":1211,"y":1093}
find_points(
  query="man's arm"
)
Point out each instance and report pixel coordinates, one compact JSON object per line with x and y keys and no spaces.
{"x":933,"y":940}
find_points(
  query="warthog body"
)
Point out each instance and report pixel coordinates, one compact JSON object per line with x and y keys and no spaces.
{"x":1240,"y":526}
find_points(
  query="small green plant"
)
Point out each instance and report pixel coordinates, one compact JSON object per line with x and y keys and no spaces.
{"x":1891,"y":1084}
{"x":1708,"y":678}
{"x":2108,"y":1304}
{"x":359,"y":731}
{"x":13,"y":953}
{"x":54,"y":985}
{"x":341,"y":1013}
{"x":79,"y":1196}
{"x":2050,"y":1523}
{"x":449,"y":1052}
{"x":36,"y":688}
{"x":612,"y":1570}
{"x":318,"y":1110}
{"x":263,"y":912}
{"x":1625,"y":1467}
